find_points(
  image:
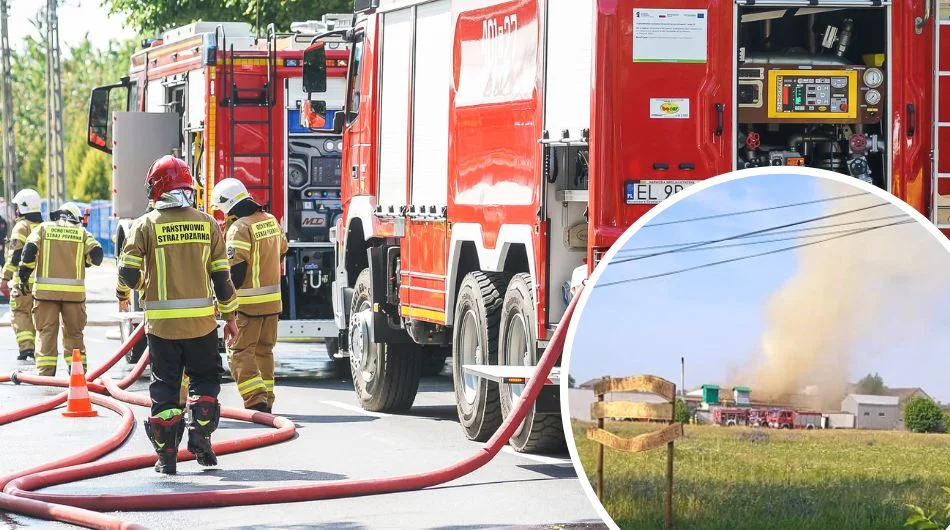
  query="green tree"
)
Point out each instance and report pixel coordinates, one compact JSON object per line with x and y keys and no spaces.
{"x":680,"y":411}
{"x":923,"y":415}
{"x":872,"y":385}
{"x":153,"y":16}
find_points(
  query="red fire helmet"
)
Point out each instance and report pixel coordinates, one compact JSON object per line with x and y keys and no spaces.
{"x":166,"y":174}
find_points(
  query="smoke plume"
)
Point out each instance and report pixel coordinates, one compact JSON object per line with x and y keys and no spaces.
{"x":845,"y":292}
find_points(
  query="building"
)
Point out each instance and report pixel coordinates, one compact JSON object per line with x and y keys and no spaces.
{"x":873,"y":412}
{"x":741,"y":395}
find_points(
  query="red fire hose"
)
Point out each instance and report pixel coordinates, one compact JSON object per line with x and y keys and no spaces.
{"x":22,"y":486}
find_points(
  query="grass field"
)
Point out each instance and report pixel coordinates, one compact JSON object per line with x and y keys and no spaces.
{"x":735,"y":478}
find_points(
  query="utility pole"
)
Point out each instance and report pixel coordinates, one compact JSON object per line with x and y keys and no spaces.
{"x":683,"y":378}
{"x":55,"y":162}
{"x":9,"y":142}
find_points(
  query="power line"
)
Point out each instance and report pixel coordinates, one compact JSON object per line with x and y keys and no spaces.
{"x":756,"y":210}
{"x":751,"y":256}
{"x":747,"y":234}
{"x":778,"y":232}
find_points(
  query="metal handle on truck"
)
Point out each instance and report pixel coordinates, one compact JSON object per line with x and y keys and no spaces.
{"x":354,"y":172}
{"x":911,"y":120}
{"x":720,"y":125}
{"x":919,"y":22}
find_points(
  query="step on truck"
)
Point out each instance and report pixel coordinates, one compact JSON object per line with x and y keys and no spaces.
{"x":494,"y":150}
{"x":231,"y":104}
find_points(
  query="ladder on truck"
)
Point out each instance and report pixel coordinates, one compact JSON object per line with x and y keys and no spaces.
{"x":240,"y":99}
{"x":942,"y":123}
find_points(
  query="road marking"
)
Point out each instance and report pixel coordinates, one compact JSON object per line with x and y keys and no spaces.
{"x":537,"y":458}
{"x":358,"y":410}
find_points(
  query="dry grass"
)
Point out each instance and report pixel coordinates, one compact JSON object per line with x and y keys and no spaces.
{"x":743,"y":478}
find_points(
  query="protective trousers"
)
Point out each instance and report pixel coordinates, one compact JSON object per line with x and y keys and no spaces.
{"x":46,"y":316}
{"x":21,"y":305}
{"x":252,"y":359}
{"x":197,"y":358}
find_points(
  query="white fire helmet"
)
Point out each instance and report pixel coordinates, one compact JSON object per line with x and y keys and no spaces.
{"x":227,"y":193}
{"x":70,"y":212}
{"x":27,"y":201}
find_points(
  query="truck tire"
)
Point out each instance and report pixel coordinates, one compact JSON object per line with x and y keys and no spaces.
{"x":387,"y":379}
{"x":517,"y":346}
{"x":475,"y":341}
{"x":433,"y":361}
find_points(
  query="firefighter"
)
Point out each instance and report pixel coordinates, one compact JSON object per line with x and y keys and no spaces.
{"x":27,"y":205}
{"x":255,"y":245}
{"x":59,"y":251}
{"x":173,"y":256}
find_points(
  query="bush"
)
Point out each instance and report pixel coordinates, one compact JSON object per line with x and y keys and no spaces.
{"x":681,"y":412}
{"x":923,"y":415}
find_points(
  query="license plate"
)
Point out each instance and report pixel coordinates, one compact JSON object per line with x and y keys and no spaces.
{"x":654,"y":191}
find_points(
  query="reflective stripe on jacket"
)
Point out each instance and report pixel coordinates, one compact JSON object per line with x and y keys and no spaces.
{"x":21,"y":231}
{"x":61,"y":259}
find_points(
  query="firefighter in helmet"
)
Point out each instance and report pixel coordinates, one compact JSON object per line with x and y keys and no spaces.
{"x":175,"y":257}
{"x":27,"y":205}
{"x":255,"y":245}
{"x":59,"y":251}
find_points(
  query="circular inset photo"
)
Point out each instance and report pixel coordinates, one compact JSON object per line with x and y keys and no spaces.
{"x":766,"y":350}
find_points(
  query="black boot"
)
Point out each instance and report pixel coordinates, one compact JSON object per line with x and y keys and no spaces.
{"x":165,"y":436}
{"x":260,"y":407}
{"x":25,"y":354}
{"x":204,"y":412}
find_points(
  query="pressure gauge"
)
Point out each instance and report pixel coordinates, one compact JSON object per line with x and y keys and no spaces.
{"x":873,"y":97}
{"x":329,"y":145}
{"x":873,"y":78}
{"x":297,"y":176}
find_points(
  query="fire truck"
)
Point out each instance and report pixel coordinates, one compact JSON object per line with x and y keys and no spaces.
{"x":792,"y":419}
{"x":232,"y":105}
{"x":494,"y":150}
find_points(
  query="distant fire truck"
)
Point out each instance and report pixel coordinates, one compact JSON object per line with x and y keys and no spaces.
{"x":232,"y":105}
{"x":791,"y":419}
{"x":492,"y":149}
{"x":730,"y":416}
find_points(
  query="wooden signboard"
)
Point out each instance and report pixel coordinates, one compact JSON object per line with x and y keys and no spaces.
{"x":665,"y":411}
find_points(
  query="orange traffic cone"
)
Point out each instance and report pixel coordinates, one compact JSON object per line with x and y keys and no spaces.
{"x":78,"y":404}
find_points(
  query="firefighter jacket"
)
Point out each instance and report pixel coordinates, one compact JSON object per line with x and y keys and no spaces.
{"x":173,"y":256}
{"x":21,"y":231}
{"x":59,"y":252}
{"x":258,"y":241}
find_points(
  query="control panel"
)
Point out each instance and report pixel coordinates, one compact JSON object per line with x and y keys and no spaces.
{"x":313,"y":179}
{"x":840,"y":95}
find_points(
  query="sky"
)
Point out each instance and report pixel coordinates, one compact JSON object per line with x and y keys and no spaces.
{"x":716,"y":317}
{"x":76,"y":19}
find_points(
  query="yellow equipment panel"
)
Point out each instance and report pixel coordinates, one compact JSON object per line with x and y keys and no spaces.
{"x":822,"y":94}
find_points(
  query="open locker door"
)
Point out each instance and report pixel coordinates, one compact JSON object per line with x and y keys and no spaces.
{"x":942,"y":123}
{"x":663,"y":104}
{"x":912,"y":99}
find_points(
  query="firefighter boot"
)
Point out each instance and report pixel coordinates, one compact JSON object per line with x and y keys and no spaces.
{"x":26,"y":354}
{"x":203,"y":415}
{"x":165,"y":432}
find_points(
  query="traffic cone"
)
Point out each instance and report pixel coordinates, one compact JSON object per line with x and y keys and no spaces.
{"x":78,"y":405}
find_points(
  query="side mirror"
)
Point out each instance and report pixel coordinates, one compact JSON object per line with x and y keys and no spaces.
{"x":313,"y":115}
{"x":339,"y":119}
{"x":99,"y":126}
{"x":315,"y":69}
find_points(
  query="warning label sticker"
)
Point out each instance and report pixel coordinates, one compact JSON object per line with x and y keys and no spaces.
{"x":669,"y":35}
{"x":183,"y":232}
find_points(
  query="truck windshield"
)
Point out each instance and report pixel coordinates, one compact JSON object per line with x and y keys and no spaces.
{"x":353,"y":97}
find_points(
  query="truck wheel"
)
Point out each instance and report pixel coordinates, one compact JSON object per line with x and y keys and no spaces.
{"x":385,"y":376}
{"x":339,"y":366}
{"x":517,"y":343}
{"x":433,"y":361}
{"x":475,"y":341}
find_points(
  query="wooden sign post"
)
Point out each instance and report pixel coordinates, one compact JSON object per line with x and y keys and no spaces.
{"x":665,"y":411}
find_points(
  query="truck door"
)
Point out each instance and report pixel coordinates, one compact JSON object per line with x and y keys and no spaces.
{"x":663,"y":104}
{"x":942,"y":147}
{"x":359,"y":168}
{"x":912,"y":69}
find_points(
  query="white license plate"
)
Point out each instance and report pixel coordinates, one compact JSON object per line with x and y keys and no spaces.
{"x":653,"y":191}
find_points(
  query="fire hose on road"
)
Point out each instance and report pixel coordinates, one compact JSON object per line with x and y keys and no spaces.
{"x":19,"y":495}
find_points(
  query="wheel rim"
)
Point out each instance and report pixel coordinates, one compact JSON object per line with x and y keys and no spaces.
{"x":471,"y":350}
{"x":364,"y":357}
{"x":516,"y":350}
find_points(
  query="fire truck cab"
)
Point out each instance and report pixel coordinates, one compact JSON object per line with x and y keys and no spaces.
{"x":494,"y":150}
{"x":232,"y":105}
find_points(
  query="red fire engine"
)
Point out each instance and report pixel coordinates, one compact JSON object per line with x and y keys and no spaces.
{"x":730,"y":416}
{"x":492,"y":148}
{"x":232,"y":105}
{"x":791,"y":419}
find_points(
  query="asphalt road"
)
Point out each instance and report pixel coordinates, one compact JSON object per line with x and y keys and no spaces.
{"x":335,"y":440}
